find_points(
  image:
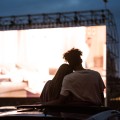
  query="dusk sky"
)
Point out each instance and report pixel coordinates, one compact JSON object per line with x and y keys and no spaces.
{"x":21,"y":7}
{"x":24,"y":7}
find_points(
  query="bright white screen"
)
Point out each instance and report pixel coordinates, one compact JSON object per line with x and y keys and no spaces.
{"x":28,"y":58}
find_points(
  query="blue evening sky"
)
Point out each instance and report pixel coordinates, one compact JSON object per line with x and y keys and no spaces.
{"x":23,"y":7}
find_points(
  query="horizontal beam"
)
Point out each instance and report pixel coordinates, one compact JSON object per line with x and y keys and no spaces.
{"x":76,"y":18}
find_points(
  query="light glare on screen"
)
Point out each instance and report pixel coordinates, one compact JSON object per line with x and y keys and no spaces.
{"x":28,"y":58}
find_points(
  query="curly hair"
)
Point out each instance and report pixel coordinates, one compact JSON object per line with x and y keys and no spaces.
{"x":73,"y":57}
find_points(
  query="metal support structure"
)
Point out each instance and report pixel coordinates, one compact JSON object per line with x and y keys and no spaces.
{"x":77,"y":18}
{"x":72,"y":19}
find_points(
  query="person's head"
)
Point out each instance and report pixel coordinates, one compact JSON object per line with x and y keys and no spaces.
{"x":73,"y":57}
{"x":63,"y":70}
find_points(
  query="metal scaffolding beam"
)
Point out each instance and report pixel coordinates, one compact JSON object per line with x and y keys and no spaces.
{"x":77,"y":18}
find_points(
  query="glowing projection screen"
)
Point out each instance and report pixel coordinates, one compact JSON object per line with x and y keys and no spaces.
{"x":29,"y":58}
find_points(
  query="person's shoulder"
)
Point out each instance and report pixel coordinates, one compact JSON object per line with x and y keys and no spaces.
{"x":93,"y":71}
{"x":69,"y":75}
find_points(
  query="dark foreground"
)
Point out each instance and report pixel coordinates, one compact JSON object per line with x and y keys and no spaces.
{"x":58,"y":112}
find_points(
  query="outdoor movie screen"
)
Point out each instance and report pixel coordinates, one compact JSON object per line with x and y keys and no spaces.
{"x":29,"y":58}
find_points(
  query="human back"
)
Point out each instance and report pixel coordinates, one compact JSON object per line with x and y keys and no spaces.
{"x":84,"y":86}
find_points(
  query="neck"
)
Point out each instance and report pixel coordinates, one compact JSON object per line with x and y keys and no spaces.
{"x":79,"y":68}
